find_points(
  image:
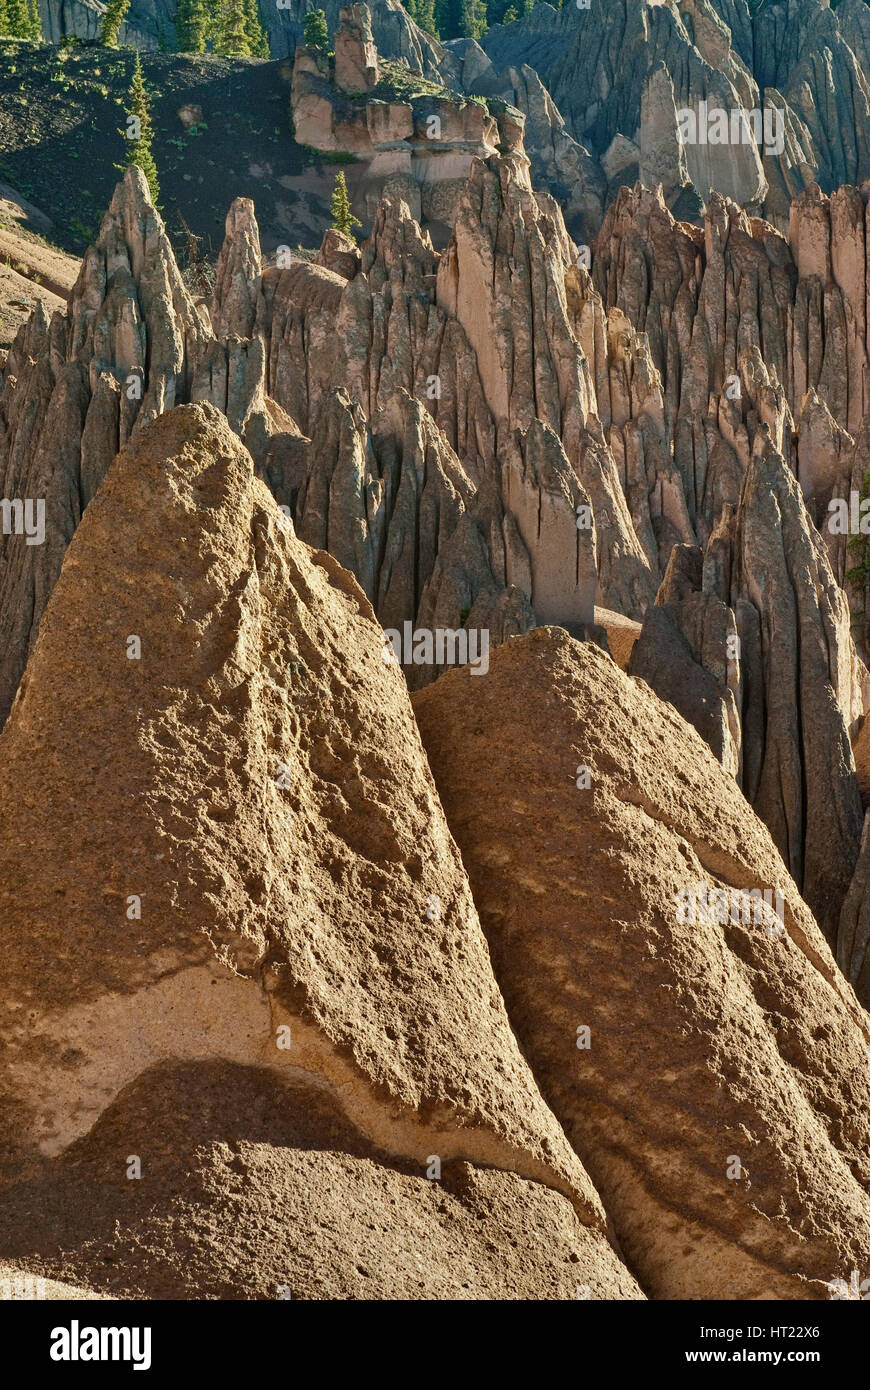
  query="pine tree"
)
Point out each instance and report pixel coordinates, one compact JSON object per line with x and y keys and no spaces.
{"x":342,"y":217}
{"x":236,"y":31}
{"x":423,"y":13}
{"x":34,"y":23}
{"x":16,"y":19}
{"x":315,"y":32}
{"x":458,"y":19}
{"x":110,"y":24}
{"x":472,"y":19}
{"x":257,"y":40}
{"x":510,"y":15}
{"x":139,"y":150}
{"x":191,"y":26}
{"x":230,"y":30}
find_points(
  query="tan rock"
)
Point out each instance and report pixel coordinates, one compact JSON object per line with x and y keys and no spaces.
{"x":712,"y":1050}
{"x":236,"y":303}
{"x":356,"y":58}
{"x":251,"y":855}
{"x":622,"y":634}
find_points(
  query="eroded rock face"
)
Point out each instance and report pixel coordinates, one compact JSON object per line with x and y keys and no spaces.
{"x":687,"y":653}
{"x":418,"y":149}
{"x":709,"y":1045}
{"x":73,"y":390}
{"x":799,"y":682}
{"x":798,"y":65}
{"x":853,"y":936}
{"x":237,"y":301}
{"x":506,"y":276}
{"x":356,"y":58}
{"x":285,"y":860}
{"x":130,"y":345}
{"x":537,"y":522}
{"x":257,"y":1187}
{"x":750,"y":640}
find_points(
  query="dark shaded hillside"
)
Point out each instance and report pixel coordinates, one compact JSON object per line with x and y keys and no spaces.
{"x":62,"y":114}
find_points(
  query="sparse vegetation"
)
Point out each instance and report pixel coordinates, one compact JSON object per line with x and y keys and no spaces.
{"x":315,"y":156}
{"x":110,"y":24}
{"x":50,"y":95}
{"x":315,"y":32}
{"x":139,"y":149}
{"x":342,"y":216}
{"x":398,"y":83}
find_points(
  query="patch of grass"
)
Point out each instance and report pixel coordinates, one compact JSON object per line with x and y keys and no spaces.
{"x":328,"y":156}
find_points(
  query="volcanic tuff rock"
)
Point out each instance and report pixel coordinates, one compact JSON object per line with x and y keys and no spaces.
{"x":237,"y":299}
{"x":259,"y":1187}
{"x":418,"y":149}
{"x":778,"y":705}
{"x":684,"y":654}
{"x":800,"y":685}
{"x":248,"y":868}
{"x":853,"y":936}
{"x":709,"y":1045}
{"x":356,"y":58}
{"x":748,"y":332}
{"x":413,"y":328}
{"x":130,"y":344}
{"x":807,"y":64}
{"x":507,"y":277}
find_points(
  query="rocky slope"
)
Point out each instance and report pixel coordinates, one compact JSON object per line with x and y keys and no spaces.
{"x":238,"y":527}
{"x":622,"y":74}
{"x":604,"y":91}
{"x":712,"y":1074}
{"x":286,"y":865}
{"x":394,"y":404}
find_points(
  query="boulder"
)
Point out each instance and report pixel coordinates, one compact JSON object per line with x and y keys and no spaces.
{"x":709,"y":1065}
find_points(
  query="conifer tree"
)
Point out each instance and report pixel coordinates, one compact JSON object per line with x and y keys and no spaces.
{"x":342,"y":216}
{"x":34,"y":23}
{"x":236,"y":31}
{"x":15,"y":19}
{"x":257,"y":39}
{"x":423,"y":13}
{"x":191,"y":26}
{"x":139,"y":149}
{"x":110,"y":24}
{"x":315,"y":32}
{"x":458,"y":19}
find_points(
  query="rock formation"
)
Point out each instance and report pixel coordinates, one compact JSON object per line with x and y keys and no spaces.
{"x":242,"y":952}
{"x":766,"y":99}
{"x":687,"y":652}
{"x":249,"y":858}
{"x":130,"y":345}
{"x":710,"y":1069}
{"x":751,"y":641}
{"x":417,"y":148}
